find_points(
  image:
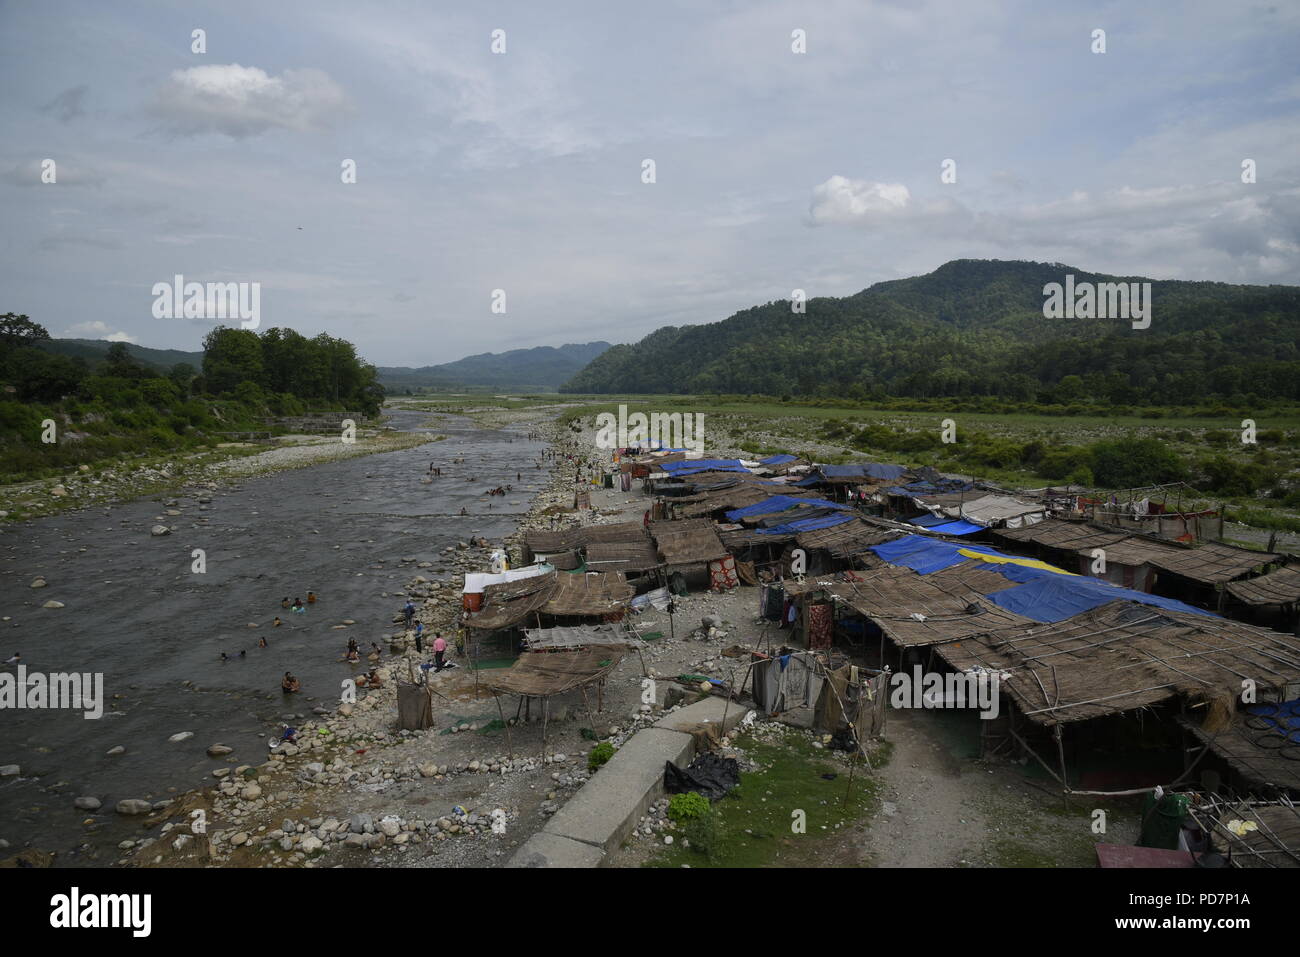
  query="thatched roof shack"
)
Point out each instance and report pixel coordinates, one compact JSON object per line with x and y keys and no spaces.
{"x":1212,"y":562}
{"x":687,"y":542}
{"x":1274,"y":841}
{"x":546,"y":542}
{"x":847,"y":540}
{"x":950,"y":602}
{"x":588,"y":594}
{"x":509,"y":603}
{"x":1064,"y":535}
{"x":626,"y":557}
{"x":1281,"y":587}
{"x":1122,"y":656}
{"x":541,"y":674}
{"x":560,"y":594}
{"x":1251,"y":752}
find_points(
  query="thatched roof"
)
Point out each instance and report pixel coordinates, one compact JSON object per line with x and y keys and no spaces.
{"x":737,"y":496}
{"x":1274,"y":841}
{"x":1281,"y":587}
{"x":1212,"y":562}
{"x":541,"y":674}
{"x":687,"y":541}
{"x":737,"y":538}
{"x":542,"y":541}
{"x":1122,"y":656}
{"x":623,"y":556}
{"x":1065,"y":535}
{"x":1239,"y":745}
{"x":511,"y":602}
{"x":847,"y":539}
{"x":950,"y":602}
{"x":588,"y":593}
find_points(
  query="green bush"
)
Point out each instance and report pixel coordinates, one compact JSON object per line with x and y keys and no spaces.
{"x":688,"y":806}
{"x":599,"y":755}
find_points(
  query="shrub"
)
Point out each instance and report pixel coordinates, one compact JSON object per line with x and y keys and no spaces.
{"x":688,"y":806}
{"x":599,"y":755}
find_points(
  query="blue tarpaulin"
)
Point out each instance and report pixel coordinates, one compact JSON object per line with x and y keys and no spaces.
{"x":806,"y":525}
{"x":691,"y":466}
{"x":957,"y":527}
{"x":926,"y":555}
{"x":1057,"y":597}
{"x":777,"y":460}
{"x":779,"y":503}
{"x":928,"y":521}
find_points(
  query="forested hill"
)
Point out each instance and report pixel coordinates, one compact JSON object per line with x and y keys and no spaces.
{"x":541,"y":368}
{"x":976,"y":327}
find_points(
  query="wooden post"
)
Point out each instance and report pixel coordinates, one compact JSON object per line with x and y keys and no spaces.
{"x":1060,"y":752}
{"x":509,"y":747}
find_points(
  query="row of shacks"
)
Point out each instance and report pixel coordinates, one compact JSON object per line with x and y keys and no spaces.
{"x":1121,"y":655}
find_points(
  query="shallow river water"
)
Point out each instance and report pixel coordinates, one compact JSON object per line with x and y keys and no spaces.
{"x":137,"y":612}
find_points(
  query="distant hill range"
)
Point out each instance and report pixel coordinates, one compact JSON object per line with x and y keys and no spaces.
{"x":977,"y":327}
{"x":541,"y":369}
{"x":94,"y":350}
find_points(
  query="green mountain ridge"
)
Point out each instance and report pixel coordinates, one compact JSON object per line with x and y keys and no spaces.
{"x":976,"y":327}
{"x":542,"y":368}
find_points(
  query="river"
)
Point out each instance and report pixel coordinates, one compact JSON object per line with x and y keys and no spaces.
{"x":136,"y":612}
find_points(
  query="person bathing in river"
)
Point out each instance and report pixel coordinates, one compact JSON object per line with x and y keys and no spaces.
{"x":311,"y":598}
{"x":14,"y":659}
{"x":284,"y":602}
{"x":261,"y":642}
{"x":289,"y":684}
{"x":298,"y":607}
{"x":277,"y":623}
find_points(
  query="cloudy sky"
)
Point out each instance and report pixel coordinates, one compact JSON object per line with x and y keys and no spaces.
{"x":522,"y":170}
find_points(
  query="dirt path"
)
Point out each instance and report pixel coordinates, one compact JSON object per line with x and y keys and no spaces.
{"x":928,"y":815}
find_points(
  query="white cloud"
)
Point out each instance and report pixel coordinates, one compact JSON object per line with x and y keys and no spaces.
{"x":843,"y":200}
{"x":241,"y":101}
{"x":94,"y":330}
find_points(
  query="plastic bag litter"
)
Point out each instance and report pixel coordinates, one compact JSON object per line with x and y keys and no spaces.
{"x":708,"y":774}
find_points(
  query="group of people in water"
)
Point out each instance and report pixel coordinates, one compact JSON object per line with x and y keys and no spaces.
{"x":296,"y":605}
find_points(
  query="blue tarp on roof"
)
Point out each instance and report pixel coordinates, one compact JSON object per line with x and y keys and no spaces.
{"x":779,"y":503}
{"x":957,"y":527}
{"x":777,"y":460}
{"x":691,"y":466}
{"x":926,"y":555}
{"x":928,"y":521}
{"x":806,"y":525}
{"x":945,"y":525}
{"x":864,"y":470}
{"x":1057,"y":597}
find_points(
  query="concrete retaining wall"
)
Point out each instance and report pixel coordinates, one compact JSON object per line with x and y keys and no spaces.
{"x":604,"y":813}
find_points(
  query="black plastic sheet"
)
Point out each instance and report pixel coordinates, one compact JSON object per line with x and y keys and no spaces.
{"x":708,"y":774}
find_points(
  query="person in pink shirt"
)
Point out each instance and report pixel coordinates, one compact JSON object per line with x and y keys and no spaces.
{"x":439,"y":649}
